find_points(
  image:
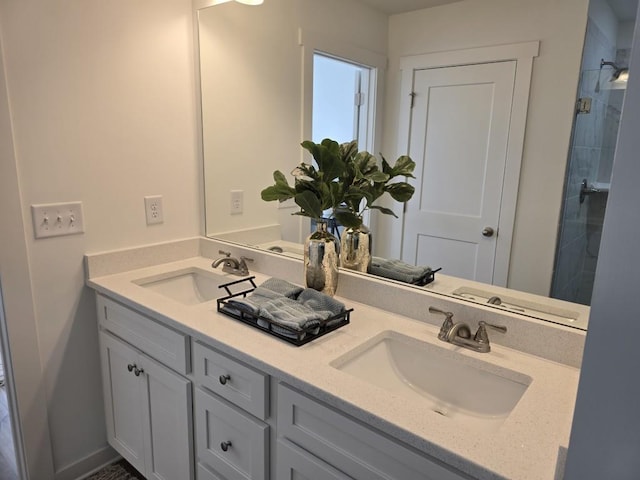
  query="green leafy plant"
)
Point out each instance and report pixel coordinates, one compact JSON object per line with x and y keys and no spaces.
{"x":346,"y":181}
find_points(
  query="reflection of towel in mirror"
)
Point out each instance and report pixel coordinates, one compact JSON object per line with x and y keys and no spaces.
{"x":399,"y":270}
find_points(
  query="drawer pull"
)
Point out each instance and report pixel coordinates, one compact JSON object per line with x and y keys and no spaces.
{"x":224,"y":379}
{"x":130,"y":367}
{"x":225,"y":446}
{"x":137,"y":371}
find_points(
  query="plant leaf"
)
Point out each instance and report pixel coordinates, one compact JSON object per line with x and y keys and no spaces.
{"x":281,"y":191}
{"x":348,"y":219}
{"x":309,"y":203}
{"x":401,"y":191}
{"x":404,"y":166}
{"x":385,"y":210}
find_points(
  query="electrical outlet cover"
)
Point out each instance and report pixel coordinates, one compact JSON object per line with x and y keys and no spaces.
{"x":153,"y":209}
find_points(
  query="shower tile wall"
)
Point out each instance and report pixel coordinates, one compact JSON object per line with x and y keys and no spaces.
{"x":591,"y":157}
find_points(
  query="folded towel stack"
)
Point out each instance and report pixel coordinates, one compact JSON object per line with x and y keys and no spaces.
{"x":287,"y":305}
{"x":399,"y":270}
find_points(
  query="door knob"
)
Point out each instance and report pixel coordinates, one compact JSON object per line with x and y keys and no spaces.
{"x":488,"y":232}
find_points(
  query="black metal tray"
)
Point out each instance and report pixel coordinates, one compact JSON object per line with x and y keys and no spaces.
{"x":295,"y":337}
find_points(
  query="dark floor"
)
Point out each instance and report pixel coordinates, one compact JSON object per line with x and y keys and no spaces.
{"x":7,"y":454}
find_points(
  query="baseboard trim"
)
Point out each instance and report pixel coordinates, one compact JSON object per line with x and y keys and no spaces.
{"x":88,"y":465}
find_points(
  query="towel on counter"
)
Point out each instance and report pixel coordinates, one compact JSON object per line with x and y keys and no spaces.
{"x":399,"y":270}
{"x":282,"y":287}
{"x":319,"y":302}
{"x":268,"y":290}
{"x":287,"y":305}
{"x":290,"y":313}
{"x":252,"y":303}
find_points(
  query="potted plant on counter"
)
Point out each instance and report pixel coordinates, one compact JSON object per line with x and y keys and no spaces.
{"x":342,"y":184}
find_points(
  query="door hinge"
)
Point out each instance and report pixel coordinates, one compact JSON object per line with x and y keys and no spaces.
{"x":583,"y":105}
{"x":358,"y":99}
{"x":413,"y":98}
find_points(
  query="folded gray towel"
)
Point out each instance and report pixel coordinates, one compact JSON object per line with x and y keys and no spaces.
{"x":252,"y":302}
{"x":320,"y":303}
{"x":287,"y":305}
{"x":399,"y":270}
{"x":282,"y":287}
{"x":290,"y":313}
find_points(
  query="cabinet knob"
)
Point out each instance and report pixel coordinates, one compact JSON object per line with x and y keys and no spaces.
{"x":225,"y":446}
{"x":137,"y":371}
{"x":130,"y":367}
{"x":224,"y":379}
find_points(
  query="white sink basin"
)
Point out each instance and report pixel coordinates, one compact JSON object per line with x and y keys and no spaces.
{"x":458,"y":387}
{"x":190,"y":286}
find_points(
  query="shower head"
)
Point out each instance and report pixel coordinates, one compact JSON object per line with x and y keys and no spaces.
{"x":619,"y":73}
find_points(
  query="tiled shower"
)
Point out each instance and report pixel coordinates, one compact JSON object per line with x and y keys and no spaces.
{"x":589,"y":170}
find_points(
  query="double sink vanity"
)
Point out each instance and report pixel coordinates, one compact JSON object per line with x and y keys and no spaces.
{"x":193,"y":394}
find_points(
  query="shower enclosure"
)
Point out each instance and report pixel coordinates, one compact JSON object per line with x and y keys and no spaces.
{"x":598,"y":108}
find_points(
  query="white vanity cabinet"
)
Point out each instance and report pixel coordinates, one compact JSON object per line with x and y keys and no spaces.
{"x":318,"y":442}
{"x":148,"y":406}
{"x":231,"y":404}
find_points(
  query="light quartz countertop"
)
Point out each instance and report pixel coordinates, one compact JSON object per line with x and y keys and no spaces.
{"x":530,"y":444}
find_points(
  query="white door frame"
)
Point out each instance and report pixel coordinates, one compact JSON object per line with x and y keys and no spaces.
{"x":523,"y":54}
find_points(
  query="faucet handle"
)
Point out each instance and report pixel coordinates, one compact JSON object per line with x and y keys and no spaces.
{"x":481,"y":335}
{"x":446,"y":325}
{"x":226,"y":254}
{"x":441,"y":312}
{"x":242,"y":267}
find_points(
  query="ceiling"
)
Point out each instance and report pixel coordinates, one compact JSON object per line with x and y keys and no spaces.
{"x":625,"y":10}
{"x":391,"y":7}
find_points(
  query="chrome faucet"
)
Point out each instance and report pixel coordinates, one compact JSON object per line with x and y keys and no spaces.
{"x":232,"y":265}
{"x":460,"y":333}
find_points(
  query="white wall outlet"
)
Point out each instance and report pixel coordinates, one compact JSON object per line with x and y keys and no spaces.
{"x":237,"y":201}
{"x":55,"y":219}
{"x":153,"y":209}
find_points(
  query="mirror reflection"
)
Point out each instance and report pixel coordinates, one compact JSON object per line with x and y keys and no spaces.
{"x":257,"y":94}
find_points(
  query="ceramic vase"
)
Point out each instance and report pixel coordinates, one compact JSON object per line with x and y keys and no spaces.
{"x":355,"y":249}
{"x":321,"y":251}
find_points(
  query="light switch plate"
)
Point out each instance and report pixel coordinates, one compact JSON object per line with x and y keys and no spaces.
{"x":56,"y":219}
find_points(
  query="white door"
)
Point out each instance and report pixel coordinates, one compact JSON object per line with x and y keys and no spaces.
{"x":459,"y":133}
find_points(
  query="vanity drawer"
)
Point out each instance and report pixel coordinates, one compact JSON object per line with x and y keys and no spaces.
{"x":240,"y":384}
{"x":293,"y":463}
{"x":230,"y":441}
{"x":156,"y":340}
{"x":204,"y":473}
{"x":348,"y":445}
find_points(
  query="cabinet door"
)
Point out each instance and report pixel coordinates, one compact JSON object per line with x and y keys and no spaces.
{"x":123,"y":407}
{"x":229,"y":441}
{"x":293,"y":463}
{"x":167,"y":414}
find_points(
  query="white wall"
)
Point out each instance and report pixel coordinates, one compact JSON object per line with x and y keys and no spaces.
{"x":20,"y":340}
{"x":252,"y":94}
{"x":102,"y":101}
{"x":560,"y":28}
{"x":605,"y":438}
